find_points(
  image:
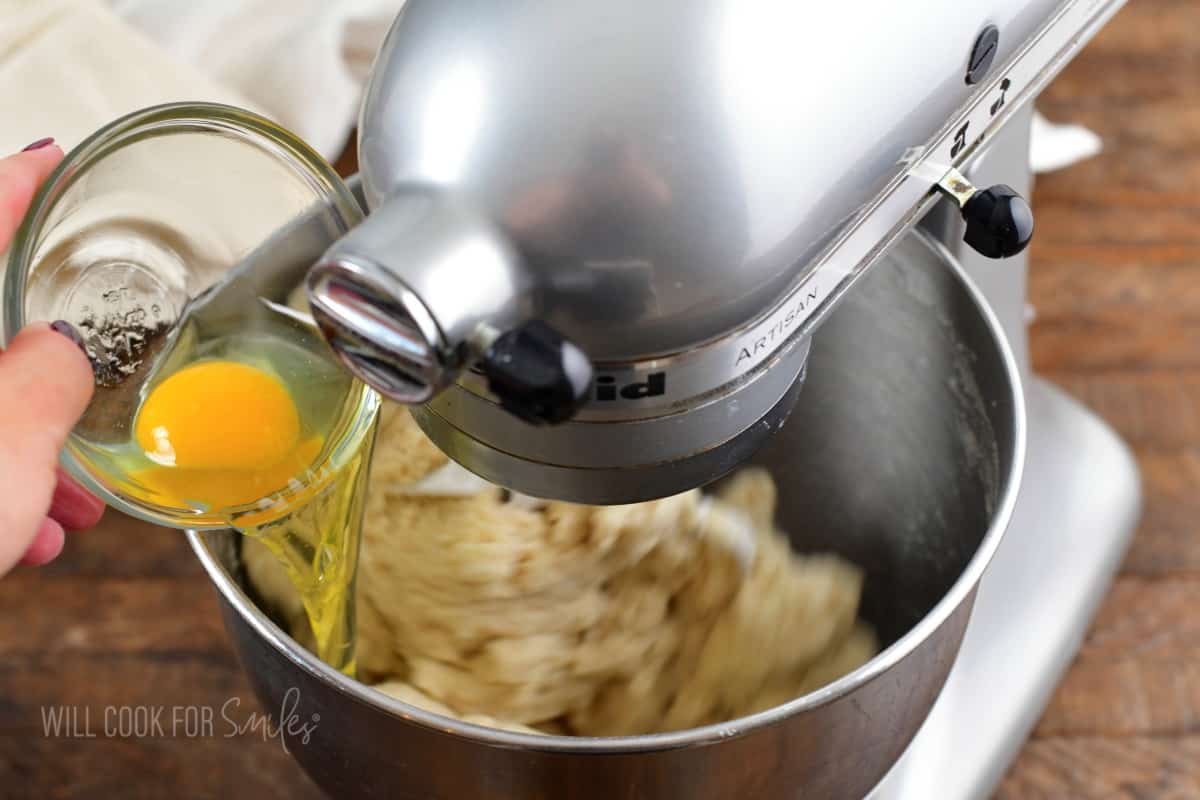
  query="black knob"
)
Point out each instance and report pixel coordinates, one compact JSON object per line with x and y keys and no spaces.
{"x":999,"y":222}
{"x":537,"y":374}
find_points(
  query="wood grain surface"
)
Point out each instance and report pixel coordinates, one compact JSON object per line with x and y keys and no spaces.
{"x":125,"y":617}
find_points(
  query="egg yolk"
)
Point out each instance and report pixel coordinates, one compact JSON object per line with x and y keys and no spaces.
{"x":223,"y":434}
{"x":218,"y":415}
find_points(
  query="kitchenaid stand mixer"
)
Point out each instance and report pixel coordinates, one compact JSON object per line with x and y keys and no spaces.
{"x":623,"y":346}
{"x":667,"y":199}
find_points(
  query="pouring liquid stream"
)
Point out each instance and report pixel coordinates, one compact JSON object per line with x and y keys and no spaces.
{"x":254,"y":426}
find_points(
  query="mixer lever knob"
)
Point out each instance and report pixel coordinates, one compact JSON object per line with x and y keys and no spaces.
{"x":999,"y":221}
{"x":537,"y":374}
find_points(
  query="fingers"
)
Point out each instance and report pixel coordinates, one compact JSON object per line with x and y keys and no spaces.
{"x":45,"y":384}
{"x":47,"y":544}
{"x":72,"y":506}
{"x":20,"y":176}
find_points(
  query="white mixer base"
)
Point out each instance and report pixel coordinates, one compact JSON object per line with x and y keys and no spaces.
{"x":1079,"y":504}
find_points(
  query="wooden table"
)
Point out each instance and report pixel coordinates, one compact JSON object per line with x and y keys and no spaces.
{"x":125,"y":617}
{"x":1116,"y":284}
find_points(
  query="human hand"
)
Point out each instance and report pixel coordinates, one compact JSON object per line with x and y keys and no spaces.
{"x":45,"y":384}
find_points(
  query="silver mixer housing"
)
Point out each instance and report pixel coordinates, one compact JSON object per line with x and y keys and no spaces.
{"x":681,"y":189}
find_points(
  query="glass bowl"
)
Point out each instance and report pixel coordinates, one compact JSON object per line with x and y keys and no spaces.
{"x":137,"y":220}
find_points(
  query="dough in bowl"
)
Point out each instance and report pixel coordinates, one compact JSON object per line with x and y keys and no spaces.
{"x":552,"y":617}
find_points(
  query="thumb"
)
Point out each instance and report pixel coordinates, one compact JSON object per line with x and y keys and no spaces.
{"x":45,"y":385}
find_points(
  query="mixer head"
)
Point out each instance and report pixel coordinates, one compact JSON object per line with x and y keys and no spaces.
{"x":602,"y":234}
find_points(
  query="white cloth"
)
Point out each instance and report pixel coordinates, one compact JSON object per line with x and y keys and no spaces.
{"x":69,"y":66}
{"x":1057,"y":147}
{"x":304,"y":62}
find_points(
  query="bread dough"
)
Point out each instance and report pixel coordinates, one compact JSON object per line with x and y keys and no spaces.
{"x":527,"y":615}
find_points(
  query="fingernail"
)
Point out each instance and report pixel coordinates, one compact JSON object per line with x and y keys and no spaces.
{"x":68,"y":330}
{"x":39,"y":144}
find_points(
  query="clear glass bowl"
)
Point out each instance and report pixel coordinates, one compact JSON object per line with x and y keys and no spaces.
{"x":144,"y":215}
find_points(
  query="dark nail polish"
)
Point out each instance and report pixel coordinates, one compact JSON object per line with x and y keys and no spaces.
{"x":39,"y":144}
{"x":68,"y":330}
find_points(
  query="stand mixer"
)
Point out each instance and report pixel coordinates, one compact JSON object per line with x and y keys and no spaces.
{"x":604,"y":239}
{"x":658,"y":205}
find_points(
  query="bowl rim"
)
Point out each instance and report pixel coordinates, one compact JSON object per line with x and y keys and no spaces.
{"x":875,"y":668}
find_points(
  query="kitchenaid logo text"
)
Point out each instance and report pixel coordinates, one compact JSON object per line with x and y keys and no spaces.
{"x":607,"y":388}
{"x":181,"y":722}
{"x":765,"y":341}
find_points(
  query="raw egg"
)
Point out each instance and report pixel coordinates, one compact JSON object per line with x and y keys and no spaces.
{"x":223,"y":434}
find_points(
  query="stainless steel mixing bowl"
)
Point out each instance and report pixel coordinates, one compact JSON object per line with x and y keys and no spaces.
{"x":903,"y":454}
